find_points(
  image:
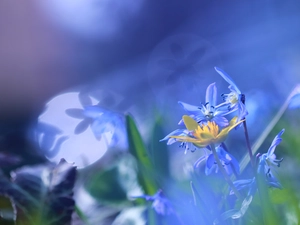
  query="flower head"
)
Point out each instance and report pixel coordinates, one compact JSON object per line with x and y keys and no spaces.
{"x":268,"y":160}
{"x":229,"y":163}
{"x":234,"y":98}
{"x":209,"y":111}
{"x":205,"y":134}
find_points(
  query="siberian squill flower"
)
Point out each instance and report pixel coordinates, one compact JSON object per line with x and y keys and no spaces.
{"x":202,"y":135}
{"x":268,"y":160}
{"x":234,"y":98}
{"x":160,"y":204}
{"x":228,"y":161}
{"x":209,"y":111}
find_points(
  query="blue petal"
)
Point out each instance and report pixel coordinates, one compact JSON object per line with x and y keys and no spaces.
{"x":223,"y":111}
{"x":275,"y":142}
{"x":199,"y":161}
{"x":228,"y":159}
{"x":221,"y":121}
{"x":178,"y":132}
{"x":199,"y":118}
{"x":273,"y":182}
{"x":223,"y":155}
{"x":241,"y":184}
{"x":228,"y":79}
{"x":189,"y":108}
{"x":211,"y":94}
{"x":242,"y":111}
{"x":210,"y":163}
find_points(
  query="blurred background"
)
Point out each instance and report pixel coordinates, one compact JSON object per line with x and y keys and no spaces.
{"x":138,"y":57}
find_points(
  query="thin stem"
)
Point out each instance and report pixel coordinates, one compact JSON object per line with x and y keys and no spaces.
{"x":221,"y":168}
{"x":248,"y":144}
{"x":265,"y":133}
{"x":247,"y":136}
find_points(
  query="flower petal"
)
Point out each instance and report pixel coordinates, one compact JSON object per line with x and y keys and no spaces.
{"x":242,"y":111}
{"x":189,"y":108}
{"x":199,"y":161}
{"x":178,"y":132}
{"x":190,"y":123}
{"x":210,"y":164}
{"x":211,"y":94}
{"x":275,"y":142}
{"x":228,"y":79}
{"x":221,"y":121}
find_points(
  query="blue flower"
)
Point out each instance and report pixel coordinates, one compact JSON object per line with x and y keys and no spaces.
{"x":160,"y":204}
{"x":235,"y":98}
{"x":229,"y":163}
{"x":209,"y":111}
{"x":268,"y":160}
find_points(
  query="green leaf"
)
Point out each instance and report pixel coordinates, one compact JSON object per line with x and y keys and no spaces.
{"x":267,"y":208}
{"x":42,"y":195}
{"x":138,"y":150}
{"x":159,"y":152}
{"x":106,"y":186}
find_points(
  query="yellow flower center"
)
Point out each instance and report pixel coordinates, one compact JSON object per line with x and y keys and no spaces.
{"x":233,"y":98}
{"x":203,"y":135}
{"x":208,"y":131}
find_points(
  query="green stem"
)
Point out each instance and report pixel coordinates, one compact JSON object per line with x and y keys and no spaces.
{"x":221,"y":168}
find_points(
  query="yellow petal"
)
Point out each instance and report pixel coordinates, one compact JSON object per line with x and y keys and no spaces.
{"x":190,"y":123}
{"x":232,"y":121}
{"x":197,"y":142}
{"x":224,"y":132}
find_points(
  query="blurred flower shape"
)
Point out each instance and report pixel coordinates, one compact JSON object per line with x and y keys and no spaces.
{"x":99,"y":119}
{"x":229,"y":163}
{"x":160,"y":203}
{"x":295,"y":98}
{"x":49,"y":138}
{"x":205,"y":134}
{"x":235,"y":98}
{"x":209,"y":111}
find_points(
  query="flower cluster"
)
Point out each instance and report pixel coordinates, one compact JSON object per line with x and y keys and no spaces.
{"x":206,"y":127}
{"x":207,"y":124}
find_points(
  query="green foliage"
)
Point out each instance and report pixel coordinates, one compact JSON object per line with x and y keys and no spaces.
{"x":138,"y":150}
{"x":42,"y":195}
{"x":106,"y":186}
{"x":159,"y":153}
